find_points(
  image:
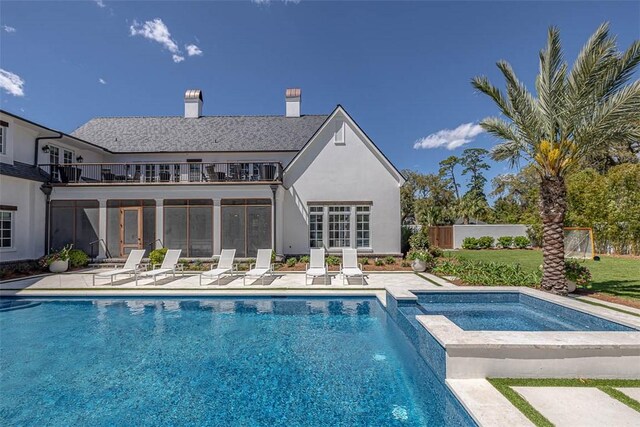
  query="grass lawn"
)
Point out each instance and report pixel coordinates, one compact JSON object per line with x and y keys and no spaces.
{"x":614,"y":276}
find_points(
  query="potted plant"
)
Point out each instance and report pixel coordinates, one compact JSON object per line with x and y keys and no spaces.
{"x":57,"y":261}
{"x":576,"y":274}
{"x":420,"y":260}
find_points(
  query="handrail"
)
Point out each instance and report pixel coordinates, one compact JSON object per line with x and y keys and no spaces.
{"x":163,"y":172}
{"x":106,"y":249}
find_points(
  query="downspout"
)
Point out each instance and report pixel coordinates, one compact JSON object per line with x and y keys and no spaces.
{"x":274,"y":189}
{"x":46,"y":188}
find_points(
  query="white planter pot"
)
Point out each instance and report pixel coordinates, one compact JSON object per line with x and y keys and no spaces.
{"x":571,"y":286}
{"x":59,"y":266}
{"x":418,"y":265}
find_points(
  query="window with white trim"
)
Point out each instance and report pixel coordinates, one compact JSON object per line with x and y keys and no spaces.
{"x":6,"y":229}
{"x":54,"y":155}
{"x":316,"y":226}
{"x":67,"y":156}
{"x":338,"y":136}
{"x":339,"y":226}
{"x":3,"y":140}
{"x":363,"y":233}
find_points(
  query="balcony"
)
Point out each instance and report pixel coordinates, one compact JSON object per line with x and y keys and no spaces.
{"x":163,"y":173}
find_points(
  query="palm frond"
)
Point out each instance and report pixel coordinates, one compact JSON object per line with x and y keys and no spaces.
{"x":483,"y":84}
{"x":550,"y":86}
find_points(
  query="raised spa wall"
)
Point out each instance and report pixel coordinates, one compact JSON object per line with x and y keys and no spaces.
{"x":453,"y":353}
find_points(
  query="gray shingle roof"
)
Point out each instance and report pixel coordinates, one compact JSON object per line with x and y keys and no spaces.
{"x":24,"y":171}
{"x":208,"y":133}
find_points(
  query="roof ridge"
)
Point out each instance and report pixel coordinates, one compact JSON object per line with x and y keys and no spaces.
{"x":220,"y":115}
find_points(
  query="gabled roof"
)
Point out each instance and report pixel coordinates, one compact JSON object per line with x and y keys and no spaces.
{"x":368,"y":142}
{"x":207,"y":133}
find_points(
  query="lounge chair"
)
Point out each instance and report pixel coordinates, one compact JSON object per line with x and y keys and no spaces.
{"x":169,"y":265}
{"x":261,"y":268}
{"x":131,"y":266}
{"x":225,"y":266}
{"x":350,"y":266}
{"x":317,"y":266}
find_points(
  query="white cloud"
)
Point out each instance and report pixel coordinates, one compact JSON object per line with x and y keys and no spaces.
{"x":193,"y":50}
{"x":100,"y":3}
{"x":268,"y":2}
{"x":450,"y":138}
{"x":11,"y":83}
{"x":102,"y":81}
{"x":177,"y":58}
{"x":157,"y":31}
{"x":8,"y":29}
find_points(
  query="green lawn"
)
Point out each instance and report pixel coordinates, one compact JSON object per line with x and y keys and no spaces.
{"x":614,"y":276}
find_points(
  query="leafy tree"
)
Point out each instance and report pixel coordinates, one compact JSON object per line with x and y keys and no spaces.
{"x":447,"y":171}
{"x":474,"y":202}
{"x":575,"y":113}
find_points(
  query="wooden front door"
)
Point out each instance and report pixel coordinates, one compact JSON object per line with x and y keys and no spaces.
{"x":130,"y":229}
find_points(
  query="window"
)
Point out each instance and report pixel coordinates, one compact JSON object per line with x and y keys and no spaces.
{"x":316,"y":226}
{"x":74,"y":222}
{"x":362,"y":227}
{"x":338,"y":136}
{"x":339,"y":226}
{"x":246,"y":225}
{"x":67,"y":156}
{"x":3,"y":139}
{"x":6,"y":229}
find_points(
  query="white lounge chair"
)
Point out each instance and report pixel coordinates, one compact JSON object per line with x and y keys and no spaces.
{"x":225,"y":266}
{"x":317,"y":266}
{"x":169,"y":265}
{"x":261,"y":268}
{"x":131,"y":266}
{"x":350,"y":266}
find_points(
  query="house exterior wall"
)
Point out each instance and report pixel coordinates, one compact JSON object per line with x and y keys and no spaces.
{"x":29,"y":218}
{"x":341,"y":172}
{"x":460,"y":232}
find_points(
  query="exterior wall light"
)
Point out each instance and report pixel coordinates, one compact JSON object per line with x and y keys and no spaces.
{"x":45,"y":148}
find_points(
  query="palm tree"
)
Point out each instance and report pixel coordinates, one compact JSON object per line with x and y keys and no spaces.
{"x":575,"y":114}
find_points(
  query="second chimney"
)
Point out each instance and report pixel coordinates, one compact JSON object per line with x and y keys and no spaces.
{"x":193,"y":104}
{"x":293,"y":97}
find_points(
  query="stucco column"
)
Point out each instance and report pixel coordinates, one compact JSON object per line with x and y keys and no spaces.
{"x":353,"y":226}
{"x":159,"y":223}
{"x":217,"y":223}
{"x":280,"y":231}
{"x":102,"y":227}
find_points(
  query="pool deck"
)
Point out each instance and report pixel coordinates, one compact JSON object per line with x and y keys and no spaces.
{"x":465,"y":379}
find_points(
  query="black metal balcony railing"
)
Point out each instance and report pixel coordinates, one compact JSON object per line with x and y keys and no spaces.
{"x":163,"y":173}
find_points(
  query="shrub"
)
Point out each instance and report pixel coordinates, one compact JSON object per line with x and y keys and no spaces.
{"x":405,"y":263}
{"x":521,"y":242}
{"x":304,"y":259}
{"x":470,"y":243}
{"x":156,"y":256}
{"x":291,"y":262}
{"x":505,"y":242}
{"x":78,"y":258}
{"x":333,"y":260}
{"x":423,"y":256}
{"x":420,"y":239}
{"x":379,"y":262}
{"x":577,"y":272}
{"x":485,"y":242}
{"x":435,"y":252}
{"x":389,"y":260}
{"x":405,"y":235}
{"x":364,"y":261}
{"x":488,"y":273}
{"x":60,"y":255}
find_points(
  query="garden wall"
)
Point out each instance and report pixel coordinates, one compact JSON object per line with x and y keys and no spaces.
{"x":479,"y":230}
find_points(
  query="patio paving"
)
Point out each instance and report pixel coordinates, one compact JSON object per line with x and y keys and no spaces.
{"x":579,"y":406}
{"x":632,"y":392}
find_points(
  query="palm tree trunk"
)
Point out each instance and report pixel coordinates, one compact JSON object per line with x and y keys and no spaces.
{"x":553,"y":206}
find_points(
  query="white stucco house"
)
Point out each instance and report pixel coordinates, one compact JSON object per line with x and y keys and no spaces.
{"x":199,"y":183}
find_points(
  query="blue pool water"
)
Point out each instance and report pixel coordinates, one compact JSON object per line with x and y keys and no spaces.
{"x":249,"y":362}
{"x":510,"y":311}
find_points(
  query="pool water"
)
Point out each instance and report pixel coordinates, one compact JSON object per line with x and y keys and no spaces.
{"x":217,"y":361}
{"x":510,"y":311}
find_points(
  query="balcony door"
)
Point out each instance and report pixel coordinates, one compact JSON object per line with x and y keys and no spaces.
{"x":130,"y":229}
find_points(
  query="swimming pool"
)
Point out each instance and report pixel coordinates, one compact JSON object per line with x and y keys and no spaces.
{"x":214,"y":361}
{"x":509,"y":311}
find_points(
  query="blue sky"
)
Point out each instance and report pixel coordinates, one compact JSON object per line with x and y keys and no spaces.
{"x":402,"y":70}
